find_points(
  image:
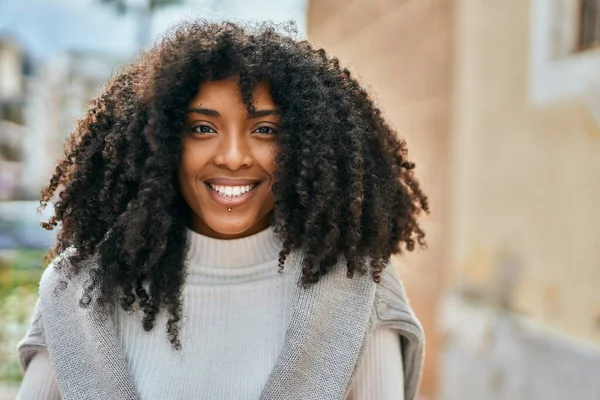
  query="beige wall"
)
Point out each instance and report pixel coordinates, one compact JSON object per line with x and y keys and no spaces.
{"x":400,"y":50}
{"x":515,"y":187}
{"x":526,"y":180}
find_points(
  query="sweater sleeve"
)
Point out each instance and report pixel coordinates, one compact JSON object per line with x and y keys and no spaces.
{"x":34,"y":340}
{"x":380,"y":374}
{"x":39,"y":382}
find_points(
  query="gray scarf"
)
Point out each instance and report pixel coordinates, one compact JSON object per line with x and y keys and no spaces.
{"x":327,"y":335}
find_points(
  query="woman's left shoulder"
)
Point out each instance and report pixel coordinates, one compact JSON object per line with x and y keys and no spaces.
{"x":393,"y":311}
{"x":392,"y":305}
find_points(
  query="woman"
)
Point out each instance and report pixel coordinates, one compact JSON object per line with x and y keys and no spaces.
{"x":227,"y":208}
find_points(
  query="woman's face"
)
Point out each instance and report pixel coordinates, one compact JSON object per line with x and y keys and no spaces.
{"x":228,"y":160}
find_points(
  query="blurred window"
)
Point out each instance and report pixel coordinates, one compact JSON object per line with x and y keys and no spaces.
{"x":589,"y":24}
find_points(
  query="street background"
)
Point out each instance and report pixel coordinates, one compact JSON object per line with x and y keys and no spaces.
{"x":499,"y":102}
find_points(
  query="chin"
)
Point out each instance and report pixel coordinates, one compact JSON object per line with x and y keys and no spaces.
{"x":229,"y":226}
{"x":217,"y":222}
{"x":231,"y":229}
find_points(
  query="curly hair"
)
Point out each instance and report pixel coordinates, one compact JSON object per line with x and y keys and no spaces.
{"x":344,"y":185}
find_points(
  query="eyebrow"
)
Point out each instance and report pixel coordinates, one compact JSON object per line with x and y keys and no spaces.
{"x":204,"y":111}
{"x":215,"y":113}
{"x":263,"y":113}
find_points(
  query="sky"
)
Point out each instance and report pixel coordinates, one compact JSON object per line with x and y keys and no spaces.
{"x":47,"y":27}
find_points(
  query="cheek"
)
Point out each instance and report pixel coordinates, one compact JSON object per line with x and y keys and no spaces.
{"x":268,"y":159}
{"x":185,"y":167}
{"x":183,"y":176}
{"x":189,"y":169}
{"x":190,"y":163}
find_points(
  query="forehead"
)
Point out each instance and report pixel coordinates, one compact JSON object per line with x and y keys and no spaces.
{"x":227,"y":92}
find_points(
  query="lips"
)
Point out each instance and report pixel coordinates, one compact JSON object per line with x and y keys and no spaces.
{"x":228,"y":192}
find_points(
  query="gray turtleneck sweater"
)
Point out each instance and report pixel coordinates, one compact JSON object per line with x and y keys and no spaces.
{"x":236,"y":312}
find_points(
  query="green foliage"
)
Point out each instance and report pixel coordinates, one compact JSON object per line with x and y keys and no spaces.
{"x":20,"y":271}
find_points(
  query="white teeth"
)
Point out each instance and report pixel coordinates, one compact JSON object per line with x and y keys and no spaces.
{"x":231,"y":191}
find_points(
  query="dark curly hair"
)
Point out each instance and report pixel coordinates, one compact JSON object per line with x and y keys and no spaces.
{"x":344,"y":185}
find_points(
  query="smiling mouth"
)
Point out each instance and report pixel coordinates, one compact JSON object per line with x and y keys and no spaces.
{"x":232,"y":191}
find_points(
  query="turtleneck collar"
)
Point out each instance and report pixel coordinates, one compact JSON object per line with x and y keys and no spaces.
{"x":248,"y":251}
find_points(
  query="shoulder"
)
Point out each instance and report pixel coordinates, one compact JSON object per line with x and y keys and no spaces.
{"x":58,"y":280}
{"x":56,"y":270}
{"x":392,"y":305}
{"x":390,"y":289}
{"x":393,"y":311}
{"x":55,"y":296}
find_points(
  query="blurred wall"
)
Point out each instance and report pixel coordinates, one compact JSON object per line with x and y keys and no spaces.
{"x":400,"y":51}
{"x":497,"y":106}
{"x":526,"y":215}
{"x":522,"y":318}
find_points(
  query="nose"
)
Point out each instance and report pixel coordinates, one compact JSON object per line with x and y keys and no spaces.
{"x":233,"y":153}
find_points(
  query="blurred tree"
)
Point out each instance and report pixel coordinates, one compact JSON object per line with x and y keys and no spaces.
{"x":142,"y":10}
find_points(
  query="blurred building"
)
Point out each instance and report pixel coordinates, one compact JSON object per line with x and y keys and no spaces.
{"x":57,"y":98}
{"x":11,"y":72}
{"x":38,"y":109}
{"x":500,"y":107}
{"x":12,"y":131}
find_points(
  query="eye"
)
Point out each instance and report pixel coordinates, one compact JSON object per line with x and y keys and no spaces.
{"x":202,"y":129}
{"x":266,"y":130}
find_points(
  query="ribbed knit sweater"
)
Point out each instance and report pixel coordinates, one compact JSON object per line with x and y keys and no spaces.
{"x":236,"y":309}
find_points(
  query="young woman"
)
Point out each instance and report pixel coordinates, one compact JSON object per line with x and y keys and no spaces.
{"x":226,"y":211}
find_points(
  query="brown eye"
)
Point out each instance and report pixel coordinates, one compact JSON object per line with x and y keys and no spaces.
{"x":202,"y":129}
{"x":265,"y":130}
